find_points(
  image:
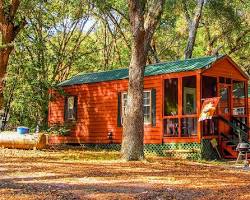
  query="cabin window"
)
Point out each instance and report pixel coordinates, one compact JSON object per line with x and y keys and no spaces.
{"x":221,"y":80}
{"x":189,"y":95}
{"x":70,"y":108}
{"x":209,"y":89}
{"x":178,"y":124}
{"x":146,"y":105}
{"x":188,"y":126}
{"x":228,"y":80}
{"x":210,"y":127}
{"x":209,"y":85}
{"x":124,"y":102}
{"x":171,"y":127}
{"x":239,"y":98}
{"x":171,"y":97}
{"x":224,"y":101}
{"x":239,"y":111}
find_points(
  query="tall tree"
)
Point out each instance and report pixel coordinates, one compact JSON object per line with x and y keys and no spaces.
{"x":9,"y":28}
{"x":144,"y":17}
{"x":193,"y":24}
{"x":50,"y":47}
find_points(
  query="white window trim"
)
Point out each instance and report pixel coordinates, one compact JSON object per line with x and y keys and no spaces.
{"x":122,"y":105}
{"x":150,"y":107}
{"x":72,"y":118}
{"x":239,"y":110}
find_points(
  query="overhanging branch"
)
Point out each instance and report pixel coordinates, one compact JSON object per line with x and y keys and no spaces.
{"x":151,"y":20}
{"x":13,"y":8}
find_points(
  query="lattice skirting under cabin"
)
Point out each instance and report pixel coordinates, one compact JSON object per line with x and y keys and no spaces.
{"x":193,"y":151}
{"x":207,"y":150}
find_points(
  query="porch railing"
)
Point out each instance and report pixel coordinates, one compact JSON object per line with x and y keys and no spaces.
{"x":242,"y":135}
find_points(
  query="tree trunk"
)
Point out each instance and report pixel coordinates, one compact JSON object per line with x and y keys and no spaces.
{"x":4,"y":57}
{"x":9,"y":29}
{"x":153,"y":52}
{"x":192,"y":26}
{"x":133,"y":126}
{"x":6,"y":49}
{"x":133,"y":132}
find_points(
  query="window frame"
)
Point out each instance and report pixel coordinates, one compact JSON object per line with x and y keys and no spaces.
{"x":180,"y":115}
{"x":150,"y":107}
{"x":189,"y":91}
{"x":66,"y":110}
{"x":123,"y":107}
{"x":170,"y":114}
{"x":239,"y":110}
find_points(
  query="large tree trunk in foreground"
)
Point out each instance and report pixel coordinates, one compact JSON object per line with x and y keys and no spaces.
{"x":4,"y":57}
{"x":192,"y":26}
{"x":142,"y":28}
{"x":9,"y":30}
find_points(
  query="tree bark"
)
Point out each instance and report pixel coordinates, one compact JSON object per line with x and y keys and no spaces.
{"x":142,"y":28}
{"x":153,"y":53}
{"x":192,"y":26}
{"x":9,"y":30}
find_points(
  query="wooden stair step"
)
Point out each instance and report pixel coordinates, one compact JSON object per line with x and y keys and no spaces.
{"x":229,"y":157}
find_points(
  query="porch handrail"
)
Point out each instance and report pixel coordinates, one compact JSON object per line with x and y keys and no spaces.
{"x":247,"y":128}
{"x":238,"y":130}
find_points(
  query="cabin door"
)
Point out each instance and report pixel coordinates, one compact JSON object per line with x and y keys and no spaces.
{"x":225,"y":92}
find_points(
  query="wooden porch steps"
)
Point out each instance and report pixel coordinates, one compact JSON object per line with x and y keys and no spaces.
{"x":228,"y":149}
{"x":229,"y":142}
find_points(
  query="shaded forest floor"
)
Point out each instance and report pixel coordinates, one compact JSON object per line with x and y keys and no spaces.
{"x":80,"y":174}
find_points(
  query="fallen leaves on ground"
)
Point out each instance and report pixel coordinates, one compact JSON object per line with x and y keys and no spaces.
{"x":80,"y":174}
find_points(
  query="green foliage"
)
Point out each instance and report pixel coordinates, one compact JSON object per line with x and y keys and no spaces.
{"x":59,"y":129}
{"x":63,"y":38}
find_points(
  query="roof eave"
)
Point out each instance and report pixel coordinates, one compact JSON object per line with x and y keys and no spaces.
{"x":237,"y":66}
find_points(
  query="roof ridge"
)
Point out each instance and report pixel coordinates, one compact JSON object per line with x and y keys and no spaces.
{"x":196,"y":58}
{"x":153,"y":69}
{"x":111,"y":70}
{"x":87,"y":73}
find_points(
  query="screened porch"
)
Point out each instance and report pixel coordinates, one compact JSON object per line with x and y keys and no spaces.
{"x":183,"y":98}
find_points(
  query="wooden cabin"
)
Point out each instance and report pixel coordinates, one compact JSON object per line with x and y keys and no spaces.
{"x":93,"y":104}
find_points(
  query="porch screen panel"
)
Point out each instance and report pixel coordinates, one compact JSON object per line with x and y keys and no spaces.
{"x":188,"y":126}
{"x":189,"y":95}
{"x":239,"y":101}
{"x":171,"y":127}
{"x":224,"y":101}
{"x":209,"y":87}
{"x":171,"y":97}
{"x":209,"y":127}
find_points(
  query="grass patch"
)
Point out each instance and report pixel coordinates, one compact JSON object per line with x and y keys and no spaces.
{"x":89,"y":155}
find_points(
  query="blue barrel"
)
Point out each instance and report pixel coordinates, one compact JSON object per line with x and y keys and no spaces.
{"x":22,"y":130}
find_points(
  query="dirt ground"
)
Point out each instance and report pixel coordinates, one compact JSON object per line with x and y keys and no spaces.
{"x":81,"y":174}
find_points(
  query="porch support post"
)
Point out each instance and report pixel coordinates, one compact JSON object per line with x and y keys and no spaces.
{"x":231,"y":99}
{"x":246,"y":107}
{"x":198,"y":103}
{"x":218,"y":112}
{"x":180,"y":104}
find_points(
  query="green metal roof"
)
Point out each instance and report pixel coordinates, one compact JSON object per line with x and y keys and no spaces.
{"x":150,"y":70}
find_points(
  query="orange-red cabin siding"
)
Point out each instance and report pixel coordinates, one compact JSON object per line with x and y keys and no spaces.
{"x":224,"y":68}
{"x":97,"y":111}
{"x":97,"y":107}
